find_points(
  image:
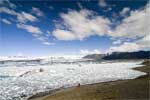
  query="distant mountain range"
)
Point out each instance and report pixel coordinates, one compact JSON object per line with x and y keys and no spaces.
{"x":120,"y":55}
{"x":94,"y":56}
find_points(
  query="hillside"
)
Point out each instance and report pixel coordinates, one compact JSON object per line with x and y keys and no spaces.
{"x":120,"y":55}
{"x":128,"y":55}
{"x":94,"y":56}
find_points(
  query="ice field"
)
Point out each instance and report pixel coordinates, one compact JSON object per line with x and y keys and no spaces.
{"x":22,"y":79}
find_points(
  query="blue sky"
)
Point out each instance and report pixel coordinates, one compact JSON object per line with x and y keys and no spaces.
{"x":76,"y":27}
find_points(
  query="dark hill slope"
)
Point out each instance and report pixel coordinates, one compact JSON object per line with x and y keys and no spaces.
{"x":128,"y":55}
{"x":120,"y":55}
{"x":94,"y":56}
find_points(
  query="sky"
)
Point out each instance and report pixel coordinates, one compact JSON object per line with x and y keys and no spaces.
{"x":73,"y":27}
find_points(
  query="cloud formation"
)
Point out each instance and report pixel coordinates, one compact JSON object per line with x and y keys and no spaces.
{"x":30,"y":28}
{"x":22,"y":17}
{"x":63,"y":35}
{"x":7,"y":11}
{"x":139,"y":44}
{"x":117,"y":41}
{"x":81,"y":25}
{"x":124,"y":11}
{"x":7,"y":3}
{"x":144,"y":43}
{"x":125,"y":47}
{"x":47,"y":43}
{"x":6,"y":21}
{"x":133,"y":26}
{"x":37,"y":11}
{"x":86,"y":52}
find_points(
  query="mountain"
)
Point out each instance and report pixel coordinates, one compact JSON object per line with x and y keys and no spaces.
{"x":94,"y":56}
{"x":120,"y":55}
{"x":128,"y":55}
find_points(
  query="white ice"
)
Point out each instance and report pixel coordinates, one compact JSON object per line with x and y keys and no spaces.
{"x":29,"y":80}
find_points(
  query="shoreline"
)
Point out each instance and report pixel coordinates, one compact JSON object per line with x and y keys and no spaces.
{"x":51,"y":92}
{"x":50,"y":95}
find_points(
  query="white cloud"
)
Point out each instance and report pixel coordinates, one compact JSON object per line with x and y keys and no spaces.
{"x":6,"y":21}
{"x":47,"y":43}
{"x":125,"y":47}
{"x":117,"y":41}
{"x":63,"y":35}
{"x":37,"y":11}
{"x":86,"y":52}
{"x":124,"y":11}
{"x":36,"y":32}
{"x":81,"y":25}
{"x":136,"y":25}
{"x":144,"y":43}
{"x":21,"y":17}
{"x":7,"y":3}
{"x":102,"y":3}
{"x":44,"y":40}
{"x":133,"y":27}
{"x":7,"y":11}
{"x":140,"y":44}
{"x":41,"y":38}
{"x":24,"y":17}
{"x":48,"y":32}
{"x":30,"y":28}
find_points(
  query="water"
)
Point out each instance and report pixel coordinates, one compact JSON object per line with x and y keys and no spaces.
{"x":21,"y":79}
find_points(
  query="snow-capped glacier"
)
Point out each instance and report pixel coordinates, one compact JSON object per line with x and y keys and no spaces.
{"x":21,"y":79}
